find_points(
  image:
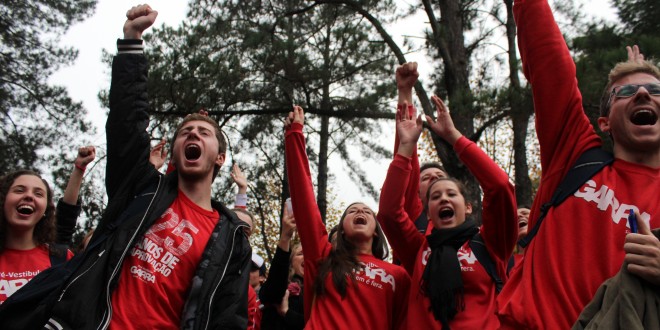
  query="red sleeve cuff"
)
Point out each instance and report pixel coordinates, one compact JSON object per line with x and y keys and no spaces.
{"x":402,"y":162}
{"x":294,"y":128}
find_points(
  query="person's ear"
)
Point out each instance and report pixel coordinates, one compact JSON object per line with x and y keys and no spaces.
{"x":220,"y":160}
{"x":468,"y":208}
{"x":604,"y":124}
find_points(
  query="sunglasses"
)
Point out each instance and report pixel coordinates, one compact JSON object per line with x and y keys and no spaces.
{"x":625,"y":91}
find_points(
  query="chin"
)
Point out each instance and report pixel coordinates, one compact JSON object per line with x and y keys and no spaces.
{"x":193,"y":174}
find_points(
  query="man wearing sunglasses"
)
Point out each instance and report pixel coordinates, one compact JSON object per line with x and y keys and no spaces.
{"x":584,"y":240}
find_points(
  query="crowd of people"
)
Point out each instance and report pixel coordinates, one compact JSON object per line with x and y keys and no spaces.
{"x":165,"y":255}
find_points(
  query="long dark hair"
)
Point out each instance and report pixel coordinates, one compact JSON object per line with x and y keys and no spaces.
{"x":45,"y":230}
{"x":342,"y":260}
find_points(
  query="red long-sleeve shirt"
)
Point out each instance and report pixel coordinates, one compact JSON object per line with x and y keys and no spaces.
{"x":499,"y":232}
{"x":580,"y":243}
{"x":377,"y":300}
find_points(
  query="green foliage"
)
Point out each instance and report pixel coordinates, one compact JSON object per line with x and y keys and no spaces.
{"x":37,"y":118}
{"x":639,"y":16}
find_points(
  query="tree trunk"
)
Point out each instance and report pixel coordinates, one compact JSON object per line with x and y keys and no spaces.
{"x":520,"y":114}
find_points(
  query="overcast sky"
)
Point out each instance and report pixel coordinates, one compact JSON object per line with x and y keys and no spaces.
{"x":89,"y":75}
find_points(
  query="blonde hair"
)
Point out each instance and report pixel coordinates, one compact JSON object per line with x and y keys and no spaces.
{"x":619,"y":71}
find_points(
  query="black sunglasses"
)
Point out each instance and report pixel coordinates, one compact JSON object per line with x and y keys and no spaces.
{"x":624,"y":91}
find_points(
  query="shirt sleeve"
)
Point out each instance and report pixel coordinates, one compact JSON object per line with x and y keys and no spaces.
{"x":395,"y":221}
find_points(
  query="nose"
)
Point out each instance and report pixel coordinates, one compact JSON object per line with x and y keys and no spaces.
{"x":642,"y":93}
{"x":193,"y":134}
{"x":29,"y":196}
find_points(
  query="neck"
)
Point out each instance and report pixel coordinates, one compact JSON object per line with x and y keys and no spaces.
{"x":20,"y":240}
{"x":641,"y":157}
{"x":198,"y":191}
{"x":364,"y":247}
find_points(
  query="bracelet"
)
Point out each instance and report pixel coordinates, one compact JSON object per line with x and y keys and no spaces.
{"x":80,"y":167}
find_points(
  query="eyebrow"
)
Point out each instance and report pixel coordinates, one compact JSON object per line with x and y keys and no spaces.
{"x":191,"y":127}
{"x":26,"y":188}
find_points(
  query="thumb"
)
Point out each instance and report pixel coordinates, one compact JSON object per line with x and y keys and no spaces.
{"x":642,"y":226}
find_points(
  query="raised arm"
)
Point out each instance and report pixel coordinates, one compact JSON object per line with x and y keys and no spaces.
{"x":406,"y":77}
{"x":313,"y":236}
{"x":241,"y":181}
{"x":548,"y":66}
{"x":68,"y":208}
{"x":273,"y":290}
{"x":500,"y":225}
{"x":395,"y":221}
{"x":126,"y":135}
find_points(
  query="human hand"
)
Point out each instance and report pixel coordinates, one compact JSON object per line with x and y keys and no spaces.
{"x":443,"y":126}
{"x":295,"y":116}
{"x":643,"y":253}
{"x":158,"y":154}
{"x":634,"y":55}
{"x":283,"y":307}
{"x":85,"y":156}
{"x":406,"y":77}
{"x":288,"y":226}
{"x":239,"y":178}
{"x":408,"y":129}
{"x":138,"y":19}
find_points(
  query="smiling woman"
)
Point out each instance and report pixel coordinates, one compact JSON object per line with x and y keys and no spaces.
{"x":27,"y":226}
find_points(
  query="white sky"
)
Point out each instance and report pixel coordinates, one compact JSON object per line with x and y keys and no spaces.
{"x":89,"y":75}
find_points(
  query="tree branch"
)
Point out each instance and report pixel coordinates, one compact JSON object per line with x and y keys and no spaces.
{"x":477,"y":133}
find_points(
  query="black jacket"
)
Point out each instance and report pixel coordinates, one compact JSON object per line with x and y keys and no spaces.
{"x":138,"y":195}
{"x":272,"y":292}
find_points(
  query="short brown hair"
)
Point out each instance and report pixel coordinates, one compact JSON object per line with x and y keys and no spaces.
{"x":222,"y":143}
{"x":428,"y":165}
{"x":619,"y":71}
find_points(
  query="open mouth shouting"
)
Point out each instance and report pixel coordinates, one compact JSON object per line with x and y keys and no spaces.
{"x":360,"y":220}
{"x":643,"y":117}
{"x":522,"y":223}
{"x":192,"y":152}
{"x":446,"y":214}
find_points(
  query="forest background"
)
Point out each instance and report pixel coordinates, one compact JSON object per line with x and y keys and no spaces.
{"x":248,"y":62}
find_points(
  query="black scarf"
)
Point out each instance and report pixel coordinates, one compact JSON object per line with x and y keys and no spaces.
{"x":442,"y":280}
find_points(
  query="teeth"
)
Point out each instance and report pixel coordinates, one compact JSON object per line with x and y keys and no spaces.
{"x":25,"y":209}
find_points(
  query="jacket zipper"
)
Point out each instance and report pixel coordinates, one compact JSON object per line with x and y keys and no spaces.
{"x":79,"y":276}
{"x":224,"y":271}
{"x":105,"y":323}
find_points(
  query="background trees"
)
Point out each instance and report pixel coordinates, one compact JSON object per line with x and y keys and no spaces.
{"x":248,"y":62}
{"x":38,"y":120}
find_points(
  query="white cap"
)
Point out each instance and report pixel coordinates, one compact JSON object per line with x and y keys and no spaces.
{"x":258,"y":260}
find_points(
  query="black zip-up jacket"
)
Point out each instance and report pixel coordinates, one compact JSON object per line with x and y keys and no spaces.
{"x":138,"y":195}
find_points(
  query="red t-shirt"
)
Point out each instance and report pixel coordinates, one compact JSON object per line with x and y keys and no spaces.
{"x":157,"y":272}
{"x":377,"y":300}
{"x":499,"y":232}
{"x":580,"y":243}
{"x":254,"y":313}
{"x":17,"y":267}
